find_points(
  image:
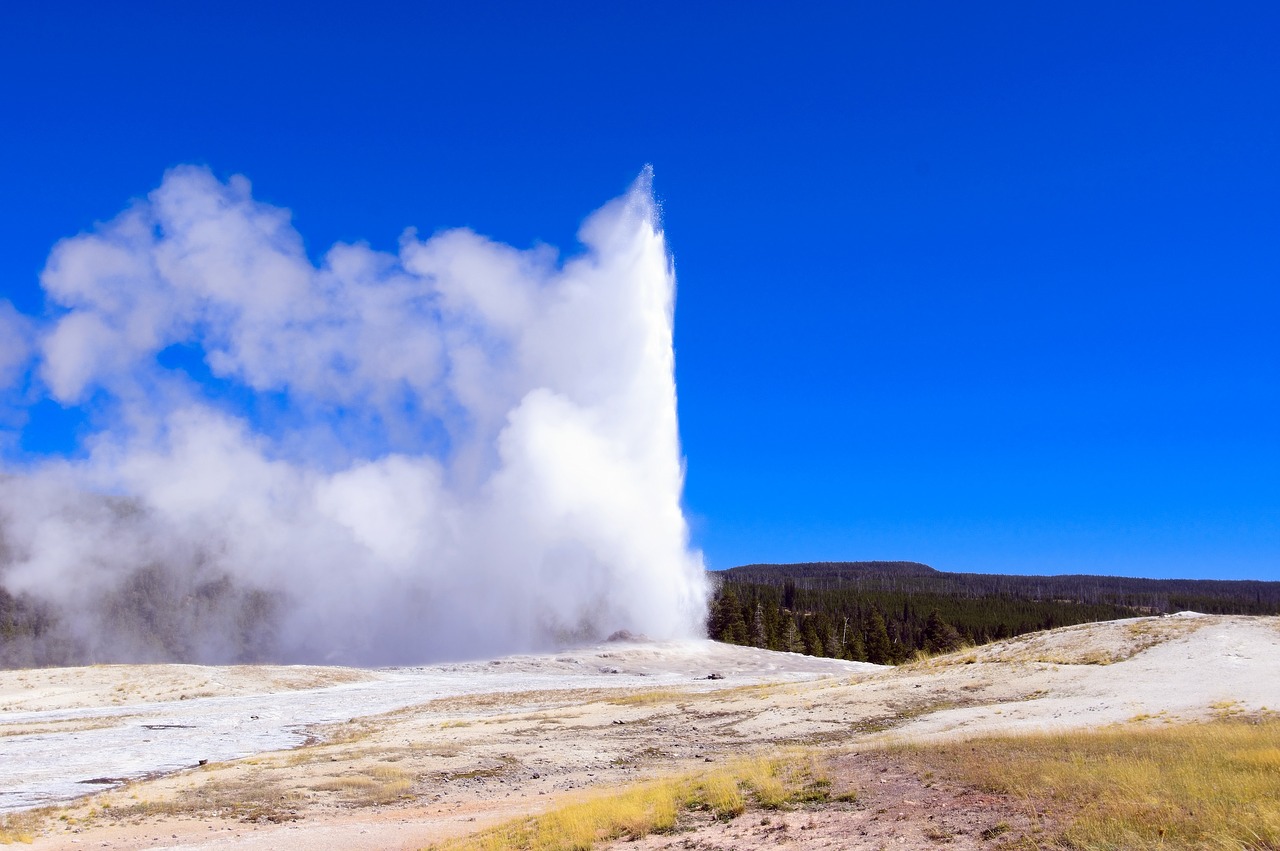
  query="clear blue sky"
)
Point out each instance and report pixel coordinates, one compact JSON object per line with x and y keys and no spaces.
{"x":992,"y":286}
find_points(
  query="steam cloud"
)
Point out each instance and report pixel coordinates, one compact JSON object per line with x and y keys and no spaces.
{"x":457,"y":450}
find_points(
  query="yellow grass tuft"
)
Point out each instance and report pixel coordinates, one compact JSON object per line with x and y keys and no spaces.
{"x":722,"y":794}
{"x":655,"y":807}
{"x":382,"y":784}
{"x":357,"y":783}
{"x":761,"y":776}
{"x":1214,"y":784}
{"x":645,"y":698}
{"x":20,"y":827}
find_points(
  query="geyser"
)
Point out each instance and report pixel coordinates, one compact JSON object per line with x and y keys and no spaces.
{"x":455,"y":450}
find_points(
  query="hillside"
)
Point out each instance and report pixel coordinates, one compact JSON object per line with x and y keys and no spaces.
{"x":886,"y":611}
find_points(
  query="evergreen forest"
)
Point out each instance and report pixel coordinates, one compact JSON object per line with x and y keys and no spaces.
{"x":887,"y":612}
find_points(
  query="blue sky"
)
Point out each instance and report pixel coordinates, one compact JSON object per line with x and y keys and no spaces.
{"x":989,"y":286}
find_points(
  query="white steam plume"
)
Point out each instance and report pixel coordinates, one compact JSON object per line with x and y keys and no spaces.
{"x":456,"y":450}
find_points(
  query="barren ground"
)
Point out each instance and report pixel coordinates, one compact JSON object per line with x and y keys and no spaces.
{"x":335,"y":758}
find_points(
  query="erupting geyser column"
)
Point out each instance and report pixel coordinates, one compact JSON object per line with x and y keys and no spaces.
{"x":459,"y":450}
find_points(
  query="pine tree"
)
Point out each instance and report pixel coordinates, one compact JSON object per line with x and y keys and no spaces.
{"x":774,"y":631}
{"x":726,"y":622}
{"x":792,"y":641}
{"x":833,"y":648}
{"x":759,"y":638}
{"x":812,"y":643}
{"x":878,"y":648}
{"x":789,"y":595}
{"x":715,"y":615}
{"x":940,"y":636}
{"x":855,"y":650}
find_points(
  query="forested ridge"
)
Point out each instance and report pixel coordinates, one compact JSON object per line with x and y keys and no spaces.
{"x":884,"y":612}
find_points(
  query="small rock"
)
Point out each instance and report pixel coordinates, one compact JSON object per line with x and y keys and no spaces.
{"x":627,"y":635}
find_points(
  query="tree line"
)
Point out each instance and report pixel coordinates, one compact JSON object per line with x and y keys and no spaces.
{"x":886,"y":612}
{"x":1152,"y":596}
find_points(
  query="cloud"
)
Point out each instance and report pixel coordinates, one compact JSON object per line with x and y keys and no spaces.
{"x":461,"y":448}
{"x":16,"y":342}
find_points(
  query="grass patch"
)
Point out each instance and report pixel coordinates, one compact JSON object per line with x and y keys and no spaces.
{"x":645,"y":698}
{"x":505,"y":700}
{"x":1214,"y":784}
{"x":961,"y":654}
{"x":21,"y":827}
{"x":655,"y":807}
{"x":253,"y":798}
{"x":718,"y":695}
{"x":1083,"y":644}
{"x":1224,"y":709}
{"x":1147,"y":633}
{"x":382,"y":784}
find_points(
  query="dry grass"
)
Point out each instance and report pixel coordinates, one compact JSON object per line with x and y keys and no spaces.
{"x":253,"y":798}
{"x":1214,"y":784}
{"x":717,"y":695}
{"x":265,"y":796}
{"x":760,"y":691}
{"x":1150,"y":632}
{"x":505,"y":700}
{"x":21,"y":827}
{"x":353,"y":731}
{"x":646,"y":698}
{"x":1224,"y":709}
{"x":655,"y":806}
{"x":1083,"y":644}
{"x":921,"y":659}
{"x":382,"y":784}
